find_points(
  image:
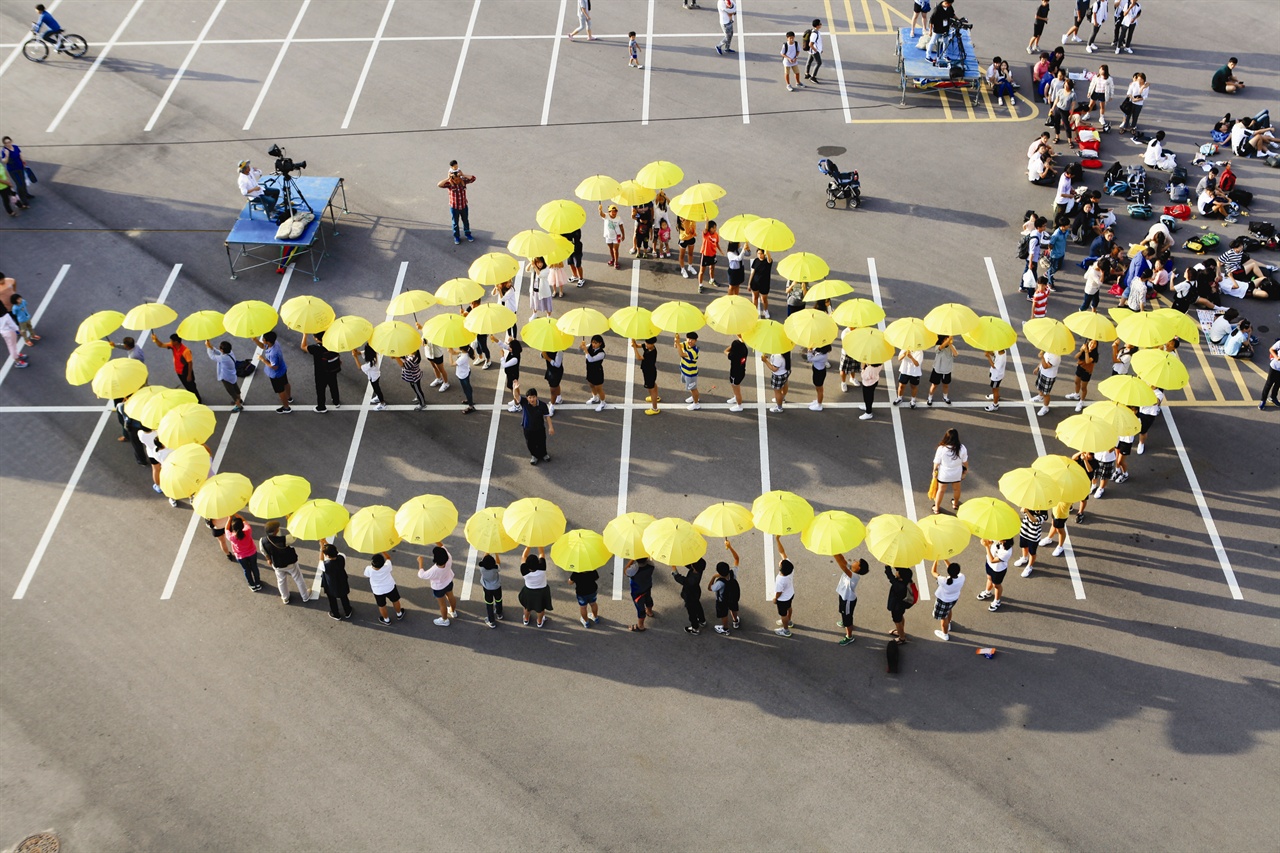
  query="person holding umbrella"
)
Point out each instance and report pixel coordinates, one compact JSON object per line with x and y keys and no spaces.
{"x":899,"y":590}
{"x":950,"y":465}
{"x":554,"y":375}
{"x":727,"y":592}
{"x":640,"y":573}
{"x":491,"y":583}
{"x":272,"y":357}
{"x":586,"y":586}
{"x":535,"y":597}
{"x":243,"y":548}
{"x":738,"y":354}
{"x":594,"y":354}
{"x":327,"y":367}
{"x":441,"y":577}
{"x":870,"y":378}
{"x":847,"y":594}
{"x":945,"y":598}
{"x":383,"y":586}
{"x":648,"y":352}
{"x":182,"y":362}
{"x":334,"y":582}
{"x":277,"y":547}
{"x":687,"y":352}
{"x":225,"y":365}
{"x":997,"y":566}
{"x":691,"y":594}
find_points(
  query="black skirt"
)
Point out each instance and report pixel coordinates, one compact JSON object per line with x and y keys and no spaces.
{"x":536,"y":600}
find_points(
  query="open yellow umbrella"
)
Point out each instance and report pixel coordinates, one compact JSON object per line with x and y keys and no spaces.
{"x":281,"y":495}
{"x":781,"y":513}
{"x":855,"y":313}
{"x":633,"y":322}
{"x":832,"y":288}
{"x":768,"y":336}
{"x":731,"y":315}
{"x":723,"y":519}
{"x":895,"y":540}
{"x":149,"y":315}
{"x":119,"y":378}
{"x":1147,"y":328}
{"x":1186,"y":328}
{"x":409,"y":302}
{"x":703,"y":192}
{"x":447,"y":330}
{"x":624,"y":535}
{"x":538,"y":244}
{"x":347,"y":333}
{"x":631,"y":194}
{"x":307,"y":314}
{"x":674,"y":541}
{"x":866,"y":345}
{"x":772,"y":235}
{"x":833,"y":532}
{"x":394,"y":338}
{"x":561,"y":216}
{"x":534,"y":522}
{"x":811,"y":328}
{"x":944,"y":536}
{"x":1071,"y":478}
{"x":597,"y":188}
{"x":735,"y":227}
{"x":252,"y":318}
{"x":459,"y":291}
{"x":580,"y":551}
{"x":150,"y":403}
{"x":318,"y":518}
{"x":489,"y":319}
{"x":372,"y":529}
{"x":678,"y":317}
{"x":1161,"y":369}
{"x":951,"y":318}
{"x":222,"y":495}
{"x":202,"y":326}
{"x":583,"y":323}
{"x":803,"y":266}
{"x":1082,"y":432}
{"x":910,"y":333}
{"x":991,"y":334}
{"x":699,"y":211}
{"x":543,"y":334}
{"x":492,"y":268}
{"x":1049,"y":335}
{"x":187,"y":423}
{"x":1127,"y":390}
{"x":1031,"y":488}
{"x":426,"y":519}
{"x":659,"y":175}
{"x":183,"y":471}
{"x":1120,"y":417}
{"x":484,"y":531}
{"x":98,"y":325}
{"x":85,"y":360}
{"x":1091,"y":326}
{"x":990,"y":518}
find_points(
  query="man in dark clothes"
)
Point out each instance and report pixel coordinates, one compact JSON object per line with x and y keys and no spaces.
{"x":535,"y":420}
{"x":327,"y":365}
{"x":691,"y":594}
{"x":333,"y":580}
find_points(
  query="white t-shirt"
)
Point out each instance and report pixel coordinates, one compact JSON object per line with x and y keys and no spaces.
{"x":438,"y":576}
{"x":847,"y":587}
{"x":248,"y":183}
{"x":1137,"y":93}
{"x":371,"y":370}
{"x":1132,"y":14}
{"x":537,"y":579}
{"x":1050,"y":372}
{"x":463,"y":366}
{"x":790,"y":50}
{"x":1035,"y":167}
{"x":906,"y":368}
{"x":1238,"y":133}
{"x":1154,"y":409}
{"x":1275,"y":356}
{"x":778,"y":362}
{"x":997,"y":370}
{"x":1092,"y":279}
{"x":727,"y":9}
{"x":1064,"y":190}
{"x":1219,"y":330}
{"x":380,"y":580}
{"x":1001,"y":554}
{"x":784,"y":588}
{"x":950,"y":591}
{"x":1204,"y":203}
{"x":950,"y":468}
{"x":1155,"y":151}
{"x":815,"y":41}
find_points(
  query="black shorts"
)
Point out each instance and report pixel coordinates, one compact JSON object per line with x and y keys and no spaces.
{"x":279,"y":383}
{"x":1030,"y":544}
{"x":897,"y":613}
{"x":997,"y":578}
{"x":916,"y":7}
{"x":1097,"y":99}
{"x":736,"y":276}
{"x":995,"y":383}
{"x":1124,"y":447}
{"x":437,"y":360}
{"x":722,"y":609}
{"x":903,"y":379}
{"x":218,"y":532}
{"x":649,"y":378}
{"x":760,"y":286}
{"x":936,"y":378}
{"x":708,"y":261}
{"x":1082,"y":374}
{"x":736,"y":378}
{"x":383,"y":598}
{"x":819,"y":376}
{"x":1059,"y":524}
{"x":845,"y":609}
{"x":512,"y":377}
{"x":1146,"y":421}
{"x":575,"y":260}
{"x":441,"y":593}
{"x":1037,"y":29}
{"x":684,"y":244}
{"x":784,"y":607}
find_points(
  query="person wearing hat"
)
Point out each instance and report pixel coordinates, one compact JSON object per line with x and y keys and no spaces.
{"x":253,"y":191}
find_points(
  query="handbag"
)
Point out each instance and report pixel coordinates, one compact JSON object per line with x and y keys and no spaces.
{"x":933,"y":487}
{"x":1126,"y":106}
{"x":31,"y":176}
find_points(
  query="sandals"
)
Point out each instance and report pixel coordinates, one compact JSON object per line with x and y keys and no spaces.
{"x":937,"y":510}
{"x":955,"y":504}
{"x":638,"y":628}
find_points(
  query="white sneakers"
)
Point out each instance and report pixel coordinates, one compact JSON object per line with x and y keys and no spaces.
{"x":688,"y":399}
{"x":1026,"y":573}
{"x":992,"y":407}
{"x":594,"y":399}
{"x":1142,"y":448}
{"x":513,"y":408}
{"x":1021,"y":561}
{"x":1044,"y":410}
{"x":1059,"y":551}
{"x":844,"y":386}
{"x":441,"y":621}
{"x":603,"y":405}
{"x":1046,"y":540}
{"x":435,"y":382}
{"x":693,"y":407}
{"x":1079,"y":407}
{"x":941,"y":636}
{"x":776,"y":409}
{"x":735,"y":408}
{"x":1072,"y":396}
{"x":444,"y":386}
{"x":815,"y":406}
{"x":865,"y":416}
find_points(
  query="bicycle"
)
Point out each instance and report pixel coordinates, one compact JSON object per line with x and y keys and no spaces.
{"x":36,"y":48}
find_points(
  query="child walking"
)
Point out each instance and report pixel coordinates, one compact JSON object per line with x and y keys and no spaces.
{"x":633,"y":48}
{"x":997,"y":361}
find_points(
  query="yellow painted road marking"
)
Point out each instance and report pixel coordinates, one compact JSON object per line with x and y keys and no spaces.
{"x":1255,"y":368}
{"x":888,"y":22}
{"x":946,"y":105}
{"x":1211,"y":404}
{"x":986,"y":100}
{"x":887,"y":9}
{"x":968,"y":104}
{"x":1235,"y":374}
{"x":866,"y":12}
{"x":1208,"y":372}
{"x":831,"y":18}
{"x":848,"y":10}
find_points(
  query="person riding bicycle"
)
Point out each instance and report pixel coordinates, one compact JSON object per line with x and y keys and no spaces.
{"x":54,"y":35}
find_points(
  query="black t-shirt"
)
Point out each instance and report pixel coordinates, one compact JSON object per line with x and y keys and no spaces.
{"x":761,"y":272}
{"x":325,"y":361}
{"x":334,"y":579}
{"x":738,"y":358}
{"x":692,"y":590}
{"x":643,"y":214}
{"x":649,"y":362}
{"x":531,"y":417}
{"x":643,"y":577}
{"x":941,"y":17}
{"x":585,"y":583}
{"x":1219,"y":83}
{"x":574,"y":237}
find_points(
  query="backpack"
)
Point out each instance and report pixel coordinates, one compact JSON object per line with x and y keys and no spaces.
{"x":1179,"y":192}
{"x":1178,"y":211}
{"x":1118,"y":188}
{"x":1169,"y":222}
{"x":1179,"y":175}
{"x":913,"y":595}
{"x":280,"y":557}
{"x":1265,"y":232}
{"x":1201,"y":244}
{"x":1112,"y":174}
{"x":805,"y":40}
{"x":1024,"y":246}
{"x":1140,"y":211}
{"x":1273,"y":160}
{"x":245,"y":367}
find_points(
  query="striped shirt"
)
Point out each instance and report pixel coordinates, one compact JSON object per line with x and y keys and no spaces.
{"x":411,"y":367}
{"x":1040,"y":303}
{"x":1032,"y":525}
{"x":689,"y":359}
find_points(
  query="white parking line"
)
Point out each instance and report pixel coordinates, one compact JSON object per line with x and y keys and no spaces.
{"x":844,"y":92}
{"x":648,"y":66}
{"x":17,"y":48}
{"x":624,"y":460}
{"x":762,"y":422}
{"x":368,"y":63}
{"x":35,"y":319}
{"x":84,"y":81}
{"x":555,"y":58}
{"x":182,"y":69}
{"x":746,"y":110}
{"x":462,"y":60}
{"x":275,"y":66}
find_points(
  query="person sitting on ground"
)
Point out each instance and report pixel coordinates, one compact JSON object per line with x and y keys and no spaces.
{"x":1234,"y":261}
{"x":1203,"y":278}
{"x":1227,"y":185}
{"x":1208,"y":182}
{"x":1224,"y":80}
{"x":1239,"y":343}
{"x":1222,"y":127}
{"x":1103,"y":244}
{"x":1041,"y":68}
{"x":1156,"y":157}
{"x":1248,"y":139}
{"x":1087,"y":226}
{"x":1042,"y":139}
{"x":1210,"y":202}
{"x":1222,"y":327}
{"x":1038,"y":169}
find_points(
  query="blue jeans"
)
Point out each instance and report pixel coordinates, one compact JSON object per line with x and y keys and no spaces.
{"x":1090,"y":301}
{"x":454,"y":216}
{"x":1055,"y":264}
{"x":727,"y":41}
{"x":465,"y":382}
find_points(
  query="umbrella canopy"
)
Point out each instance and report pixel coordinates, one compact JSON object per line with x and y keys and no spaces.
{"x":447,"y":330}
{"x":489,"y":319}
{"x":910,"y":333}
{"x":832,"y":288}
{"x":1127,"y":390}
{"x":723,"y":519}
{"x":731,"y":315}
{"x":484,"y":531}
{"x":855,"y":313}
{"x":990,"y":518}
{"x":394,"y":338}
{"x":1186,"y":328}
{"x":561,"y":216}
{"x":991,"y":334}
{"x":944,"y":536}
{"x":1071,"y":478}
{"x":306,"y":314}
{"x":202,"y":326}
{"x":85,"y":360}
{"x":1049,"y":335}
{"x":678,"y":317}
{"x":703,"y":192}
{"x":1160,"y":368}
{"x":674,"y":541}
{"x":803,"y":266}
{"x":580,"y":551}
{"x":492,"y":268}
{"x":1031,"y":488}
{"x":1083,"y":432}
{"x":1147,"y":328}
{"x":866,"y":345}
{"x":659,"y":175}
{"x":811,"y":328}
{"x":624,"y":535}
{"x":188,"y":423}
{"x":98,"y":325}
{"x":781,"y":513}
{"x":348,"y":332}
{"x":768,"y":336}
{"x":372,"y":530}
{"x":183,"y":471}
{"x":833,"y":532}
{"x":410,"y":302}
{"x":632,"y":322}
{"x":319,"y":518}
{"x":583,"y":323}
{"x":597,"y":188}
{"x":543,"y":334}
{"x":772,"y":235}
{"x":149,"y":315}
{"x":895,"y":540}
{"x":538,"y":244}
{"x":735,"y":227}
{"x":222,"y":495}
{"x":699,"y":211}
{"x":631,"y":194}
{"x":1091,"y":326}
{"x":534,"y":522}
{"x":119,"y":378}
{"x":280,"y":496}
{"x":459,"y":291}
{"x":426,"y":519}
{"x":951,"y":318}
{"x":1120,"y":417}
{"x":150,"y":403}
{"x":252,"y":318}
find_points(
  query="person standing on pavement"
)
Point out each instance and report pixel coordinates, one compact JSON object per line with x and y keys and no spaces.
{"x":997,"y":566}
{"x":593,"y":354}
{"x":945,"y":598}
{"x":491,"y":584}
{"x":944,"y":360}
{"x":648,"y":352}
{"x":950,"y":466}
{"x":784,"y":593}
{"x":790,"y":54}
{"x":10,"y":332}
{"x":738,"y":353}
{"x":225,"y":365}
{"x":328,"y":365}
{"x":728,"y":10}
{"x":441,"y":578}
{"x":1128,"y":23}
{"x":535,"y":420}
{"x":554,"y":375}
{"x":183,"y":364}
{"x":277,"y":547}
{"x":815,"y":48}
{"x":11,"y":157}
{"x":535,"y":597}
{"x":277,"y":371}
{"x":459,"y":212}
{"x":368,"y":361}
{"x":1147,"y":415}
{"x":780,"y":375}
{"x":584,"y":21}
{"x":687,"y":352}
{"x":640,"y":574}
{"x":334,"y":582}
{"x":847,"y":594}
{"x":586,"y":586}
{"x":462,"y":369}
{"x":870,"y":379}
{"x":1271,"y":387}
{"x":727,"y":592}
{"x":1029,"y":538}
{"x":899,"y":589}
{"x":1046,"y":375}
{"x":383,"y":586}
{"x":691,"y":595}
{"x":245,"y":551}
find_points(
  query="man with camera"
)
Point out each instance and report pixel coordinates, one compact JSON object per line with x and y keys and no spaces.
{"x":254,"y":191}
{"x":940,"y":21}
{"x":456,"y":184}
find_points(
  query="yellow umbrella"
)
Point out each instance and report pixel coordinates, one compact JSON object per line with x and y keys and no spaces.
{"x":1186,"y":328}
{"x":910,"y":333}
{"x":372,"y":530}
{"x":489,"y":319}
{"x":833,"y":532}
{"x":222,"y":495}
{"x":347,"y":333}
{"x":631,"y":194}
{"x":85,"y":360}
{"x":674,"y":541}
{"x":991,"y":335}
{"x":490,"y":269}
{"x":1049,"y":335}
{"x":678,"y":317}
{"x":484,"y":531}
{"x":1119,"y":313}
{"x":772,"y":235}
{"x":538,"y":244}
{"x":951,"y":318}
{"x":560,"y":253}
{"x":832,"y":288}
{"x":98,"y":325}
{"x":149,"y":315}
{"x":731,"y":315}
{"x":723,"y":519}
{"x":1071,"y":478}
{"x":855,"y":313}
{"x":867,"y":345}
{"x":1082,"y":432}
{"x":990,"y":518}
{"x":410,"y":302}
{"x":768,"y":336}
{"x":583,"y":323}
{"x":811,"y":328}
{"x":249,"y":319}
{"x":702,"y":211}
{"x":543,"y":334}
{"x":803,"y":266}
{"x":150,"y":403}
{"x":534,"y":522}
{"x":394,"y":338}
{"x":281,"y":495}
{"x":561,"y":216}
{"x":944,"y":536}
{"x":1147,"y":329}
{"x":624,"y":535}
{"x":781,"y":513}
{"x":597,"y":188}
{"x":119,"y":378}
{"x":319,"y":518}
{"x":183,"y":471}
{"x":1031,"y":488}
{"x":735,"y":227}
{"x":459,"y":291}
{"x":447,"y":330}
{"x":659,"y":175}
{"x":201,"y":326}
{"x":633,"y":322}
{"x":187,"y":423}
{"x":1091,"y":326}
{"x":306,"y":314}
{"x":1127,"y":390}
{"x":1161,"y":369}
{"x":580,"y":551}
{"x":1120,"y":417}
{"x":426,"y":519}
{"x":895,"y":540}
{"x":704,"y":192}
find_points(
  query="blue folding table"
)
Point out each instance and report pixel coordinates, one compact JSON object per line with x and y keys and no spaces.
{"x":254,"y":235}
{"x":915,"y":69}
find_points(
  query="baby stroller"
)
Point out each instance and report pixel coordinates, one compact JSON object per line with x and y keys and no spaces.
{"x":842,"y":185}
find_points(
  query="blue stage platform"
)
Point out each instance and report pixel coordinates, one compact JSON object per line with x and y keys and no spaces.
{"x":254,"y":236}
{"x":920,"y":73}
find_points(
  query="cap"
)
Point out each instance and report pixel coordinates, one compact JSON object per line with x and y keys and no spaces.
{"x":243,"y":163}
{"x":613,"y":207}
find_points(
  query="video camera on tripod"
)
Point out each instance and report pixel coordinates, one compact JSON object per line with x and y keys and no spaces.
{"x":291,"y":197}
{"x":285,"y":165}
{"x":960,"y":24}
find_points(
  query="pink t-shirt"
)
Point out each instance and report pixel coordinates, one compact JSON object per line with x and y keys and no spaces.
{"x":438,"y":576}
{"x":241,"y":548}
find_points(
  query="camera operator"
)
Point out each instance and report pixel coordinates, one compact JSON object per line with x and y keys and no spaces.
{"x":253,"y":191}
{"x":456,"y":184}
{"x":940,"y":21}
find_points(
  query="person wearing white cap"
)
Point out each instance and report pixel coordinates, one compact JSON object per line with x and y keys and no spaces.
{"x":253,"y":191}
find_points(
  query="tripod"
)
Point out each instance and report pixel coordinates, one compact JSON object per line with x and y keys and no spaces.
{"x":289,"y":191}
{"x":951,"y":39}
